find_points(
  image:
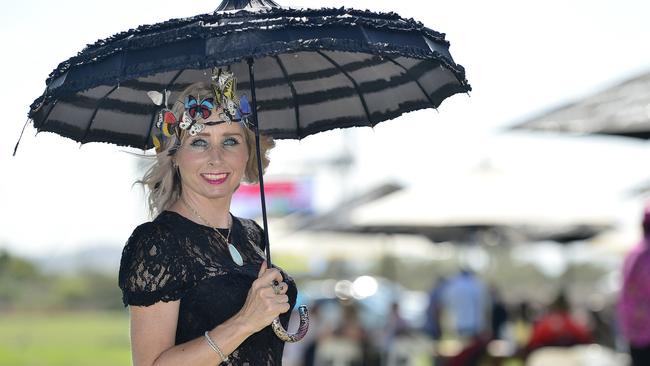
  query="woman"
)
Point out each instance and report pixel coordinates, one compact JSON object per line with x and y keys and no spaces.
{"x":633,"y":307}
{"x":194,"y":278}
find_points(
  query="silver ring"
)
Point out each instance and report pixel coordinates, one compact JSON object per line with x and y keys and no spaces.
{"x":276,"y":288}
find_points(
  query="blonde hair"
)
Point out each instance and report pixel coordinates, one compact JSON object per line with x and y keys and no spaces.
{"x":162,"y":179}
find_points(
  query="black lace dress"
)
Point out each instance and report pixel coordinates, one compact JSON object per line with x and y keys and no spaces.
{"x":174,"y":258}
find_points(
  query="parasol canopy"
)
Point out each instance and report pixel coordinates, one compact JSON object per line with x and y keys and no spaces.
{"x":621,"y":110}
{"x":315,"y":70}
{"x":462,"y":208}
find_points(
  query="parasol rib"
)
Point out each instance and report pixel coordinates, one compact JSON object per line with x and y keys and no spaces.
{"x":47,"y":115}
{"x":414,"y":79}
{"x":92,"y":117}
{"x":294,"y":94}
{"x":354,"y":82}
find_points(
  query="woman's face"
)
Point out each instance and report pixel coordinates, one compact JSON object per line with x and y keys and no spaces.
{"x":212,"y":163}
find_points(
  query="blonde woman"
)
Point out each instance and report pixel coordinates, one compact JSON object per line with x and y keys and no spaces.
{"x":194,"y":278}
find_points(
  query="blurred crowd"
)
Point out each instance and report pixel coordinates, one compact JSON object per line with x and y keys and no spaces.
{"x":466,"y":322}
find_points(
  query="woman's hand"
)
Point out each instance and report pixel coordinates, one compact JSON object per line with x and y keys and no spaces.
{"x":264,"y":302}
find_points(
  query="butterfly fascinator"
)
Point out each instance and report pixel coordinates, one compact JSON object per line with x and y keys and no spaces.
{"x":225,"y":103}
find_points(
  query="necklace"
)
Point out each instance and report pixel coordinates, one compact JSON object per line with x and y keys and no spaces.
{"x":234,"y":253}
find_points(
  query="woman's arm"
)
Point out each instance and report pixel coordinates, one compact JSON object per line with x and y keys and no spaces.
{"x":153,"y":328}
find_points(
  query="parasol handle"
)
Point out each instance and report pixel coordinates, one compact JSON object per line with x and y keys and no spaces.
{"x":279,"y":330}
{"x":281,"y":333}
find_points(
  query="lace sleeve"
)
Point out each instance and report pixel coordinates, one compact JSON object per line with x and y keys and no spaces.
{"x":152,"y":268}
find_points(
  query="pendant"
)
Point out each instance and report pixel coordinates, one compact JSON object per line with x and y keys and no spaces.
{"x":234,"y":254}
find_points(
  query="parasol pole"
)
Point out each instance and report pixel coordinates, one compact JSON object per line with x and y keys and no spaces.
{"x":277,"y":327}
{"x":260,"y":174}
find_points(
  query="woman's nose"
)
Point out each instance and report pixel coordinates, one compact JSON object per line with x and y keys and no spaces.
{"x":215,"y":154}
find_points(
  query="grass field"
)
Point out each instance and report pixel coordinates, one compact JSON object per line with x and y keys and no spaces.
{"x":69,"y":339}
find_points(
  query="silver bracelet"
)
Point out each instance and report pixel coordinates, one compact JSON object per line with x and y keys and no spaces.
{"x":215,"y":347}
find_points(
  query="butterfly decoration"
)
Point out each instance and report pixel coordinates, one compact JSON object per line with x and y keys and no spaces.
{"x":190,"y":124}
{"x":224,"y":84}
{"x":202,"y":108}
{"x":159,"y":98}
{"x":225,"y":116}
{"x":165,"y":121}
{"x":165,"y":127}
{"x":221,"y":78}
{"x":245,"y":110}
{"x":231,"y":107}
{"x":244,"y":106}
{"x":228,"y":87}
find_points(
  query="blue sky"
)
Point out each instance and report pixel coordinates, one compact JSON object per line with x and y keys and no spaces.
{"x":521,"y":58}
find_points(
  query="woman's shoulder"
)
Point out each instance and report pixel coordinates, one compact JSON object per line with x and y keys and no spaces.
{"x":154,"y":266}
{"x":159,"y":228}
{"x":249,"y":225}
{"x":250,"y":229}
{"x":156,"y":237}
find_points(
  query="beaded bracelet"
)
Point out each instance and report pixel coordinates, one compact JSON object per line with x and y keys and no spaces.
{"x":215,"y":347}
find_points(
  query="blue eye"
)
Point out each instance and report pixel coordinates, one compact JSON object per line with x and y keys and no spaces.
{"x":199,"y":144}
{"x":230,"y":141}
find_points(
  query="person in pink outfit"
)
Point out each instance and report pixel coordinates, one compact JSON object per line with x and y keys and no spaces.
{"x":634,"y":302}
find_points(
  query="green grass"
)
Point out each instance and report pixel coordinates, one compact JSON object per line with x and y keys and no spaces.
{"x":68,"y":339}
